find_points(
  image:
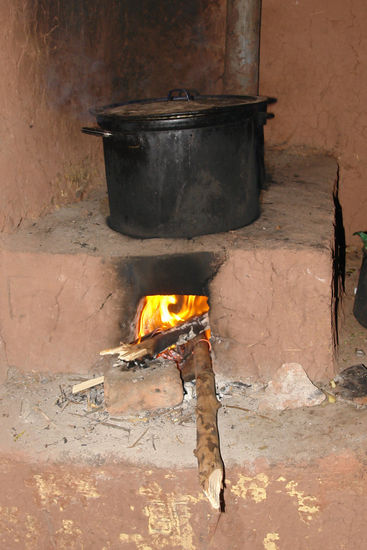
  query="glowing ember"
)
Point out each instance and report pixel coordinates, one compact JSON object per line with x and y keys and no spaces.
{"x":163,"y":312}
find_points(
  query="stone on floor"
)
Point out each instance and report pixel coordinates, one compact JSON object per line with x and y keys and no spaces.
{"x":290,"y":388}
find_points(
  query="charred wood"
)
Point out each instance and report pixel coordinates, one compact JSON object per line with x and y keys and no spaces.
{"x":155,"y":343}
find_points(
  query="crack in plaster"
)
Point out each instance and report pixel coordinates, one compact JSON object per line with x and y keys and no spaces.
{"x":105,"y":300}
{"x":10,"y":307}
{"x":57,"y":303}
{"x":3,"y":348}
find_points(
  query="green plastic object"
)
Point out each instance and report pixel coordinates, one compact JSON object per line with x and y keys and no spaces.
{"x":363,"y":235}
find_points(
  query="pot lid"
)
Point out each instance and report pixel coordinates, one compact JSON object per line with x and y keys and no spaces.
{"x":179,"y":103}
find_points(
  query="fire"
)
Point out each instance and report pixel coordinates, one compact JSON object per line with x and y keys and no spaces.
{"x":166,"y":311}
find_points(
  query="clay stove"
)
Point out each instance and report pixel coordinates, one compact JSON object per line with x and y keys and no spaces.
{"x":270,"y":284}
{"x":270,"y":292}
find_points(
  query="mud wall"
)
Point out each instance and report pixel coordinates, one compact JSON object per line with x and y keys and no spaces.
{"x":59,"y":58}
{"x":313,"y":59}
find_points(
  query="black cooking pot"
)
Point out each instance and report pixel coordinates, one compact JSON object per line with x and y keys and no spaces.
{"x":183,"y":165}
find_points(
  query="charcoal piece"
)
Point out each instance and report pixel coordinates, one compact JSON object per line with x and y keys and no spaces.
{"x":352,"y":382}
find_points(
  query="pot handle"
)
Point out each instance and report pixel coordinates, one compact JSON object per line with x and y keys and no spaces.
{"x":129,"y":140}
{"x":182,"y":94}
{"x":262,"y":117}
{"x":97,"y":132}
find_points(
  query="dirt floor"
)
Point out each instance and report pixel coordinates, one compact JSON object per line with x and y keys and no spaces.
{"x":39,"y":421}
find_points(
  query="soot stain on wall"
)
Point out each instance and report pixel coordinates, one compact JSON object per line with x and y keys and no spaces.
{"x":167,"y":274}
{"x":93,"y":52}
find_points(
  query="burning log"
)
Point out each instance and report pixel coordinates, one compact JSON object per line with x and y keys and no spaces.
{"x":210,"y":464}
{"x":155,"y":343}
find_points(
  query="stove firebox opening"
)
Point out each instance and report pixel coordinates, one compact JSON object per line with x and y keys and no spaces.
{"x":173,"y":276}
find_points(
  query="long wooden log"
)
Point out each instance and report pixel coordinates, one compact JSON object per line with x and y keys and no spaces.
{"x":156,"y":343}
{"x":210,"y":464}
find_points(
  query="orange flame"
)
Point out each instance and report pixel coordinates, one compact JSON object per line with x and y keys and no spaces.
{"x":166,"y":311}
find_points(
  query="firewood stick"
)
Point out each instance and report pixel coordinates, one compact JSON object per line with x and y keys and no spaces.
{"x":156,"y":343}
{"x":87,"y":384}
{"x":210,"y":464}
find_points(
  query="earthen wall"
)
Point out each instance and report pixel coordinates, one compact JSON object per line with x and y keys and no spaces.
{"x":313,"y":60}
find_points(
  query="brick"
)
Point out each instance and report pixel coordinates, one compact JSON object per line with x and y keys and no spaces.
{"x":155,"y":387}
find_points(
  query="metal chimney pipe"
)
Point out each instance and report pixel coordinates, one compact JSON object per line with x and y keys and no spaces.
{"x":241,"y":57}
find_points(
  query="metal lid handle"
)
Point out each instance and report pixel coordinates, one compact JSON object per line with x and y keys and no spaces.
{"x":182,"y":94}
